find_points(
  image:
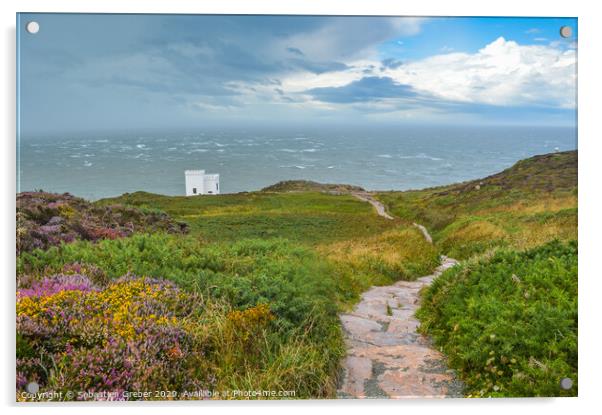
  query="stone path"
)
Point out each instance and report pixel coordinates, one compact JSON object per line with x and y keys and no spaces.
{"x":426,"y":233}
{"x":386,"y":356}
{"x":380,"y":208}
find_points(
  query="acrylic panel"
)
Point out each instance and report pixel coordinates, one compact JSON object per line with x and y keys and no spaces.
{"x":295,"y":207}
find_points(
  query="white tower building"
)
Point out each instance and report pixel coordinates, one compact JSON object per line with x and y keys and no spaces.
{"x":199,"y":183}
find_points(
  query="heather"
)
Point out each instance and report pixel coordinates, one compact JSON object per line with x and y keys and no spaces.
{"x":146,"y":334}
{"x":508,"y":322}
{"x":272,"y":322}
{"x":48,"y":219}
{"x":135,"y":334}
{"x":55,"y":284}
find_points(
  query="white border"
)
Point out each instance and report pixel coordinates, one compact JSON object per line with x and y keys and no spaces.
{"x":589,"y":203}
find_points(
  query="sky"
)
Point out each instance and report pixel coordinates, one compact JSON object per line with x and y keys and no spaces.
{"x":85,"y":72}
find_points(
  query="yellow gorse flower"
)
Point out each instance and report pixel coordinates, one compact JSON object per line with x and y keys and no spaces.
{"x":117,"y":308}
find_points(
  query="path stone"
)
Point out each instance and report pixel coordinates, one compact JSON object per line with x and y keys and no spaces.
{"x":387,"y":357}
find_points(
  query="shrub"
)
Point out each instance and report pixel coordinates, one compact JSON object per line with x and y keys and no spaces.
{"x":48,"y":219}
{"x":135,"y":334}
{"x":508,"y":323}
{"x":297,"y":345}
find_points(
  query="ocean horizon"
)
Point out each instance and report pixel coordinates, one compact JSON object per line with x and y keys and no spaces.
{"x":99,"y":165}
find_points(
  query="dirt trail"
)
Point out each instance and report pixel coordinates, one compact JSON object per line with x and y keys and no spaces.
{"x":386,"y":356}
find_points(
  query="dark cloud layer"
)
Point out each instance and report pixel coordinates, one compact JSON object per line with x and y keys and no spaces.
{"x":89,"y":72}
{"x":371,"y":88}
{"x":82,"y":67}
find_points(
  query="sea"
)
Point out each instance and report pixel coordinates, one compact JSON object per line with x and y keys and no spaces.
{"x":99,"y":165}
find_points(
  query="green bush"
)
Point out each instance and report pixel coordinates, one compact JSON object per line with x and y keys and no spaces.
{"x":297,"y":284}
{"x":291,"y":278}
{"x":508,"y":323}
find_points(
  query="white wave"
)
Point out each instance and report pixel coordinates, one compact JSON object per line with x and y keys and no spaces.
{"x":288,"y":150}
{"x":421,"y":156}
{"x":385,"y":156}
{"x":297,"y":166}
{"x":310,"y":150}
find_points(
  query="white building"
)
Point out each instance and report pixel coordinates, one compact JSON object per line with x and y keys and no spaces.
{"x":199,"y":183}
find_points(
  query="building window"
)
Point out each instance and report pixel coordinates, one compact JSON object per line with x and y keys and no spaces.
{"x":194,"y":190}
{"x":216,"y":186}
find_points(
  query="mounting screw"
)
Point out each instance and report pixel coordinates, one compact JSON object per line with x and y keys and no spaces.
{"x":32,"y":27}
{"x":566,"y":31}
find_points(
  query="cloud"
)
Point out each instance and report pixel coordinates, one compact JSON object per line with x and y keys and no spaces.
{"x":364,"y":90}
{"x":503,"y":73}
{"x":295,"y":51}
{"x":391,"y":63}
{"x":173,"y":69}
{"x":317,"y":67}
{"x":350,"y":37}
{"x":227,"y":55}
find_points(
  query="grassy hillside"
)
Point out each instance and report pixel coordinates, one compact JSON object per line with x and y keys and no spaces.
{"x":338,"y":226}
{"x":528,"y":204}
{"x":249,"y":297}
{"x":309,"y":186}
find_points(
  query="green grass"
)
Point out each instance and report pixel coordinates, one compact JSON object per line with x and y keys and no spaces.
{"x":300,"y":288}
{"x":304,"y":289}
{"x":339,"y":227}
{"x":508,"y":323}
{"x":532,"y":202}
{"x":306,"y":217}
